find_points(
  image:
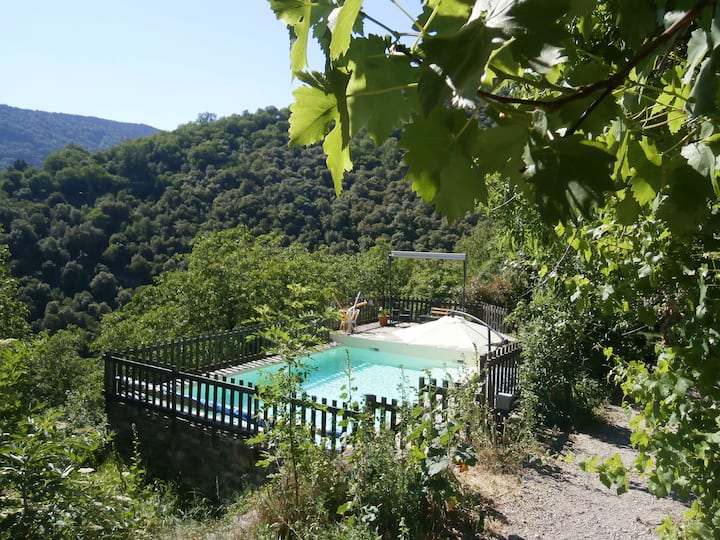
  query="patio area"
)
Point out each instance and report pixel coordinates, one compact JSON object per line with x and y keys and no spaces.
{"x":458,"y":334}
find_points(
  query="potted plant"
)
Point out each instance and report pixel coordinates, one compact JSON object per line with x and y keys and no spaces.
{"x":383,"y":316}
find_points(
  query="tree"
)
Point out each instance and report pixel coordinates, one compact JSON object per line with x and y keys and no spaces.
{"x":568,"y":105}
{"x":229,"y":275}
{"x":604,"y":116}
{"x":13,"y":313}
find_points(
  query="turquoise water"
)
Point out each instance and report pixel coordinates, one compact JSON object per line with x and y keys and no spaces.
{"x":383,"y":374}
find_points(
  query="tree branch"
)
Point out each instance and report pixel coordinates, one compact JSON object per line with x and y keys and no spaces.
{"x":615,"y":80}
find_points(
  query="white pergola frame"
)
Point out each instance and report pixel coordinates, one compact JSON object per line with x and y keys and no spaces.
{"x":427,"y":255}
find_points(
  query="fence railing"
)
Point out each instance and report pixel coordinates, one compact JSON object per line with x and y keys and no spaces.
{"x":172,"y":378}
{"x":235,"y":406}
{"x":414,"y":309}
{"x":210,"y":352}
{"x":502,"y":372}
{"x":206,"y":352}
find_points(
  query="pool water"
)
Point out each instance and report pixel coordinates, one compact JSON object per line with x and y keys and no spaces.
{"x":372,"y":371}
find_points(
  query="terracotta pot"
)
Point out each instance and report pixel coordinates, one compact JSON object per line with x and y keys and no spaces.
{"x":382,"y":320}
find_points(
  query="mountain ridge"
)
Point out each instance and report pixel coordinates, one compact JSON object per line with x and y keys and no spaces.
{"x":31,"y":135}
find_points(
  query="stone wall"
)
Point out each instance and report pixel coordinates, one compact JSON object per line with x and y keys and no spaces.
{"x":210,"y":461}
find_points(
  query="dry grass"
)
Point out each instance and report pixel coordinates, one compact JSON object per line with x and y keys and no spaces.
{"x":240,"y":522}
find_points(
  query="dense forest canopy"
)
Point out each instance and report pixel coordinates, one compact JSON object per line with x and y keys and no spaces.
{"x":86,"y":229}
{"x":30,"y":136}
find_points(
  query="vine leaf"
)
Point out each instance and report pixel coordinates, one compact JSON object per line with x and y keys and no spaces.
{"x":500,"y":148}
{"x":636,"y":20}
{"x":464,"y":70}
{"x":569,"y":175}
{"x":338,"y":155}
{"x":461,"y":175}
{"x":439,"y":163}
{"x":451,"y":8}
{"x":627,"y":209}
{"x":685,"y":207}
{"x":704,"y":92}
{"x":535,"y":24}
{"x":703,"y":96}
{"x":645,"y":161}
{"x":311,"y":116}
{"x":697,"y":48}
{"x":379,"y":91}
{"x":700,"y":157}
{"x":341,"y":22}
{"x":297,"y":15}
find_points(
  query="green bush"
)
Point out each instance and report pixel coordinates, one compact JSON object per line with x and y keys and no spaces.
{"x":563,"y":375}
{"x":56,"y":481}
{"x":53,"y":486}
{"x":385,"y":484}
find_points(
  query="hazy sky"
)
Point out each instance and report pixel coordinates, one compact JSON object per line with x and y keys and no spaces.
{"x":155,"y":62}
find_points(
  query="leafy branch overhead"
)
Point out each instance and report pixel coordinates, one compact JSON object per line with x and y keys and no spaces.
{"x":490,"y":86}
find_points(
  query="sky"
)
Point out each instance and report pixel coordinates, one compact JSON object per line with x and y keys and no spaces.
{"x":154,"y":62}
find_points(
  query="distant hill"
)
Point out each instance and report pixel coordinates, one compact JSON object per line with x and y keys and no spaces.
{"x":88,"y":228}
{"x":33,"y":135}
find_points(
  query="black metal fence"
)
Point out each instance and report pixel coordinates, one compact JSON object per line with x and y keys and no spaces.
{"x":415,"y":309}
{"x":174,"y":378}
{"x":204,"y":353}
{"x":234,"y":406}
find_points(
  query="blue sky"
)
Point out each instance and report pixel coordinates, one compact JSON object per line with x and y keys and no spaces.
{"x":156,"y":62}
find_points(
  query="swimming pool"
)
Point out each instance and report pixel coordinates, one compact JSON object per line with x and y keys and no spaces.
{"x":372,"y":371}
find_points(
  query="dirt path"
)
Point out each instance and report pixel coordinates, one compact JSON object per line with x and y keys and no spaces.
{"x":560,"y":501}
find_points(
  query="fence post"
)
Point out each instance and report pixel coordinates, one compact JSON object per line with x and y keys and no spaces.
{"x":109,"y":375}
{"x":173,"y":393}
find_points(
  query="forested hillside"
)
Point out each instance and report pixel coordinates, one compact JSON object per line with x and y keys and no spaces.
{"x":30,"y":136}
{"x":86,"y":229}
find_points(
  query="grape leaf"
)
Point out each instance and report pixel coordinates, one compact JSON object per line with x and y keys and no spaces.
{"x":499,"y":149}
{"x":637,"y":20}
{"x":697,"y":47}
{"x":311,"y":115}
{"x":427,"y":141}
{"x":644,"y":160}
{"x":462,"y":56}
{"x":379,"y":91}
{"x":569,"y":175}
{"x":535,"y":24}
{"x":627,"y":210}
{"x":338,"y":156}
{"x":700,"y":157}
{"x":439,"y":162}
{"x":460,"y":176}
{"x":642,"y":191}
{"x":496,"y":13}
{"x":342,"y":20}
{"x":685,"y":206}
{"x":451,"y":8}
{"x":431,"y":89}
{"x":704,"y":91}
{"x":296,"y":14}
{"x":550,"y":56}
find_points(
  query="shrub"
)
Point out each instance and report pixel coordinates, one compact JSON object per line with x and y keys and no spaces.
{"x":53,"y":488}
{"x":562,"y":370}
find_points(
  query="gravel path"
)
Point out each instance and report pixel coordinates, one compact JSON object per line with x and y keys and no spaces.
{"x":560,"y":501}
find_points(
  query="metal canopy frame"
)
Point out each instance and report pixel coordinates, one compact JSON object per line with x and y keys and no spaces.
{"x":427,"y":255}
